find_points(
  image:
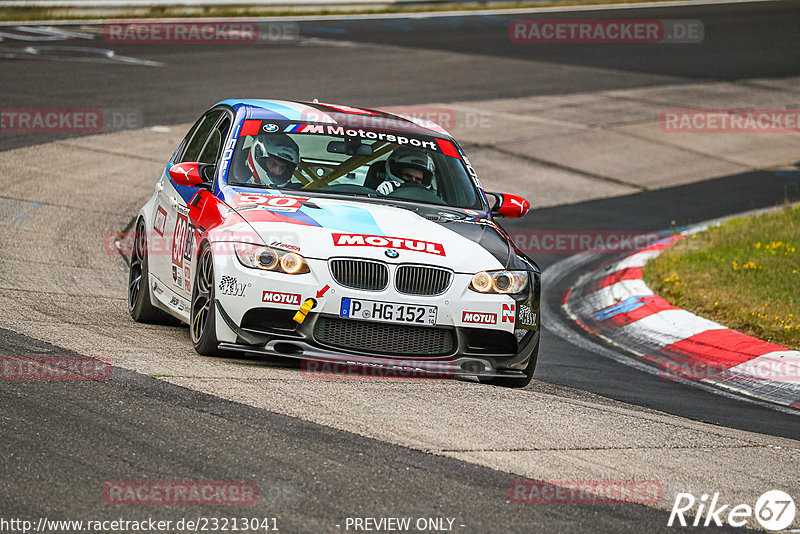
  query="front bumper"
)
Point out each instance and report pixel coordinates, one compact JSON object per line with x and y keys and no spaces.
{"x":453,"y":347}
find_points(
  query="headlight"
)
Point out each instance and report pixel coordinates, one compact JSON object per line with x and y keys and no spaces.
{"x":506,"y":282}
{"x":270,"y":259}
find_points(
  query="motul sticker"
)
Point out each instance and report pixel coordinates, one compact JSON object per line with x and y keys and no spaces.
{"x":508,"y":313}
{"x":271,"y":202}
{"x":480,"y":318}
{"x":360,"y":240}
{"x":281,"y":298}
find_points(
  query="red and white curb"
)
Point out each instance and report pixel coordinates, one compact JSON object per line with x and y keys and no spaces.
{"x":614,"y":303}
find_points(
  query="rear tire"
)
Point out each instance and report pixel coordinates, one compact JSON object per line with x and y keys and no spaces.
{"x":139,"y":304}
{"x":202,"y":319}
{"x":514,"y":382}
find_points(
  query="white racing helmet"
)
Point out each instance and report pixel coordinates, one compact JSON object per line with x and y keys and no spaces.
{"x":406,"y":157}
{"x":273,"y":158}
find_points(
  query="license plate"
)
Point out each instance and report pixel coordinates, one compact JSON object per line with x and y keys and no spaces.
{"x":388,"y":312}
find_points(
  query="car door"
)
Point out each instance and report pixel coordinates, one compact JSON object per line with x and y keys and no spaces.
{"x":171,"y":262}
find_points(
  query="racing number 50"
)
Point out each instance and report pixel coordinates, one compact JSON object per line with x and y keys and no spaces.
{"x":179,"y":240}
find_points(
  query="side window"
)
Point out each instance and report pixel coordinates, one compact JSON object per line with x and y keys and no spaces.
{"x":182,"y":147}
{"x":200,"y":135}
{"x":210,"y":152}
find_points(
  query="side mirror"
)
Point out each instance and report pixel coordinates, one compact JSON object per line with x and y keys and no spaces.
{"x":508,"y":205}
{"x":191,"y":173}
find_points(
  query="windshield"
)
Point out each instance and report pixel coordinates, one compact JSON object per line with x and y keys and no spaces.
{"x":331,"y":159}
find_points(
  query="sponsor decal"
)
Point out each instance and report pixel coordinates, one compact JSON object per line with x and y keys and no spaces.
{"x":508,"y":313}
{"x":321,"y":292}
{"x":343,"y":131}
{"x":177,"y":278}
{"x":173,"y":302}
{"x":179,"y":239}
{"x":188,"y":246}
{"x":362,"y":240}
{"x":227,"y":154}
{"x":479,"y":317}
{"x":278,"y":203}
{"x":160,"y":221}
{"x":157,"y":288}
{"x":229,"y":285}
{"x":186,"y":277}
{"x":286,"y":246}
{"x":525,"y":316}
{"x":471,"y":171}
{"x":281,"y":298}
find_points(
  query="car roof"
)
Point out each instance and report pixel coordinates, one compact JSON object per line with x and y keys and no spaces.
{"x":299,"y":111}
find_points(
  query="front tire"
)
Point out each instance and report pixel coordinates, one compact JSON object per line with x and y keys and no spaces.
{"x":514,"y":382}
{"x":139,"y":303}
{"x":202,"y":319}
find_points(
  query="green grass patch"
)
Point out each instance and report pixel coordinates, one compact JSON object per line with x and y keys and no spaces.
{"x":744,"y":274}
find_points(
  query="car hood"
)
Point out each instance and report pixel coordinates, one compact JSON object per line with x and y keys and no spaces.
{"x":323,"y":227}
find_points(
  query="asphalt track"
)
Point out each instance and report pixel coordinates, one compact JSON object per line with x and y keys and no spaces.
{"x":136,"y":427}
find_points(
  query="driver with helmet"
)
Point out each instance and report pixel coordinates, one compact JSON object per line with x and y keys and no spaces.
{"x":407,"y":165}
{"x":273,"y":159}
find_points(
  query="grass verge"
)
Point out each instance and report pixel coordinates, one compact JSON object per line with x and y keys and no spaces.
{"x":744,"y":274}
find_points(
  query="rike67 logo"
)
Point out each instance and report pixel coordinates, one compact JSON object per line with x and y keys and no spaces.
{"x":774,"y":510}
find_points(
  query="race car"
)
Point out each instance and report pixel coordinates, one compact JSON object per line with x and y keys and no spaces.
{"x":337,"y":234}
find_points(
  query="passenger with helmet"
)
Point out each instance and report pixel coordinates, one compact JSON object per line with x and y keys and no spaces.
{"x":407,"y":165}
{"x":273,"y":159}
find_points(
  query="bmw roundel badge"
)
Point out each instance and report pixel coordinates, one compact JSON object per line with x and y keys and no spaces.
{"x":391,"y":253}
{"x":270,"y":127}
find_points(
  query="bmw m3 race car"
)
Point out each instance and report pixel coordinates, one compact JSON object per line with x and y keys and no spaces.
{"x":336,"y":234}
